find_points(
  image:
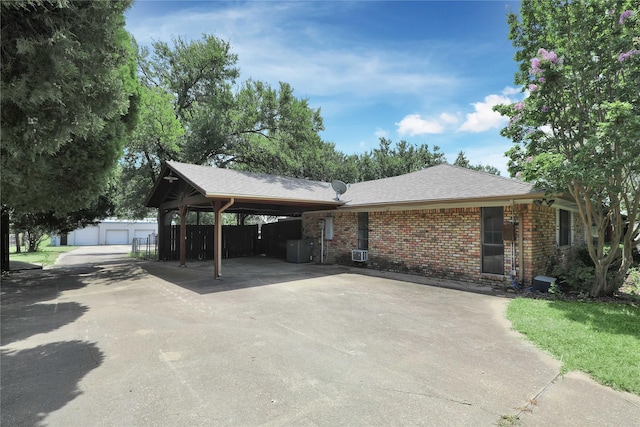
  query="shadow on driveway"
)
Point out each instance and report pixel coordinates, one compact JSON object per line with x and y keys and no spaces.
{"x":40,"y":380}
{"x":238,"y":273}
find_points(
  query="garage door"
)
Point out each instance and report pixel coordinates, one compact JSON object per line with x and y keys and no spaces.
{"x":88,"y":236}
{"x":117,"y":237}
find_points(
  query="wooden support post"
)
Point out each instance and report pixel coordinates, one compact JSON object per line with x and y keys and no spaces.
{"x":217,"y":239}
{"x":183,"y":235}
{"x":162,"y":256}
{"x":218,"y":209}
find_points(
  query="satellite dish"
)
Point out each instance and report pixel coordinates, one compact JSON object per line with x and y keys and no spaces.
{"x":339,"y":187}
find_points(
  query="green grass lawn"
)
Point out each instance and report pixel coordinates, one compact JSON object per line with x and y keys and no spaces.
{"x":46,"y":255}
{"x":601,"y":339}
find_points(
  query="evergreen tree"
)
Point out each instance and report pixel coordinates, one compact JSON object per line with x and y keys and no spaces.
{"x":67,"y":91}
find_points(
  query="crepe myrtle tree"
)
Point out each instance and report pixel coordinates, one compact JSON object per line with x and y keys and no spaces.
{"x":578,"y":128}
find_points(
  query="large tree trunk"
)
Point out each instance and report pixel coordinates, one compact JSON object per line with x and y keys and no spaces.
{"x":600,"y":280}
{"x":18,"y":243}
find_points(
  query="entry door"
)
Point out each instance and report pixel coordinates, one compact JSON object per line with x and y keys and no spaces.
{"x":492,"y":242}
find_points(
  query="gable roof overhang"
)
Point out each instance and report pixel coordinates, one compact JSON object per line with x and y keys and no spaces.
{"x":442,"y":186}
{"x":198,"y":187}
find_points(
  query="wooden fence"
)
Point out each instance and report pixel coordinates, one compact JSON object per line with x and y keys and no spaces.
{"x":237,"y":240}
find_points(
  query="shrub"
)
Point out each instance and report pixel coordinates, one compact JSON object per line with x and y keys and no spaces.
{"x":576,"y":273}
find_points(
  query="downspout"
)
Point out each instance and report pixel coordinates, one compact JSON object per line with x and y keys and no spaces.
{"x":217,"y":246}
{"x":512,"y":272}
{"x":521,"y":246}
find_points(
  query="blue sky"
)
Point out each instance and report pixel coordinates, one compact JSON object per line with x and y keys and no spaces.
{"x":423,"y":71}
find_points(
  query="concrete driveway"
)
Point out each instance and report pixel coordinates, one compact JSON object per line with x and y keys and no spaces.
{"x":103,"y":340}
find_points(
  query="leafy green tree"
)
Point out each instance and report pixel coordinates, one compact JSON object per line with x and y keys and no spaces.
{"x":270,"y":131}
{"x":36,"y":226}
{"x":387,"y":161}
{"x":67,"y":94}
{"x":462,"y":161}
{"x":198,"y":77}
{"x":157,"y":138}
{"x":578,"y":129}
{"x":193,"y":111}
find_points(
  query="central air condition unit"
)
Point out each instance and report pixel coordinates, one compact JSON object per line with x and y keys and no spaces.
{"x":359,"y":255}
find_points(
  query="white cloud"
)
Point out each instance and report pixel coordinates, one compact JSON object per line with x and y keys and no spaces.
{"x":449,"y":118}
{"x":484,"y":118}
{"x":490,"y":153}
{"x":510,"y":90}
{"x":414,"y":124}
{"x":381,"y":133}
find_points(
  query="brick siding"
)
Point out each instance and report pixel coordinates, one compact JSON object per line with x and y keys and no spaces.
{"x":443,"y":243}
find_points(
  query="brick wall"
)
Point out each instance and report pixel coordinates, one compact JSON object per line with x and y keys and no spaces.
{"x":443,"y":243}
{"x":345,"y":234}
{"x":539,"y":240}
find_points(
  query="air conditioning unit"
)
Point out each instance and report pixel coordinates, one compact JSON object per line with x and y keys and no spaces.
{"x":359,"y":255}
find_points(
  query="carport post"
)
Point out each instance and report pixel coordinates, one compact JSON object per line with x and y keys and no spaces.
{"x":218,"y":209}
{"x":183,"y":235}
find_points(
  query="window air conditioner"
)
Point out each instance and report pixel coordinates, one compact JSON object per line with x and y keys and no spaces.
{"x":359,"y":255}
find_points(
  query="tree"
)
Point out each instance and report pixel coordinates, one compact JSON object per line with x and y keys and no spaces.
{"x":157,"y":138}
{"x":193,"y":111}
{"x":270,"y":131}
{"x":36,"y":226}
{"x":462,"y":161}
{"x":387,"y":161}
{"x":578,"y":129}
{"x":67,"y":94}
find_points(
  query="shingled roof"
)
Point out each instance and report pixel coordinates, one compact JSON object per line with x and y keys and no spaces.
{"x":253,"y":192}
{"x":441,"y":184}
{"x":227,"y":182}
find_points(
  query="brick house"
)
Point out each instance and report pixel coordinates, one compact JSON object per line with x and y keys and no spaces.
{"x":443,"y":221}
{"x":453,"y":223}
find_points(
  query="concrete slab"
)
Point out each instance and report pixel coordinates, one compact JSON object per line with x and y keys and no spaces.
{"x":110,"y":341}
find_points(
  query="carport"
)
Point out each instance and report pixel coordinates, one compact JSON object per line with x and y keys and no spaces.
{"x":185,"y":187}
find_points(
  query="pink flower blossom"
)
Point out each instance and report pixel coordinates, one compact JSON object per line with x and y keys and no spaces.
{"x":519,"y":106}
{"x":626,"y":14}
{"x":529,"y":159}
{"x":518,"y":174}
{"x":542,"y":80}
{"x":545,"y":108}
{"x":533,"y":87}
{"x":548,"y":55}
{"x":626,"y":55}
{"x":535,"y":66}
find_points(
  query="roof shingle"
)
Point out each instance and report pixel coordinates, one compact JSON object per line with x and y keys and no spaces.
{"x":227,"y":182}
{"x":437,"y":183}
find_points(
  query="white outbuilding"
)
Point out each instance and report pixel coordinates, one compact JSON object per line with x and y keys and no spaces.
{"x":112,"y":232}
